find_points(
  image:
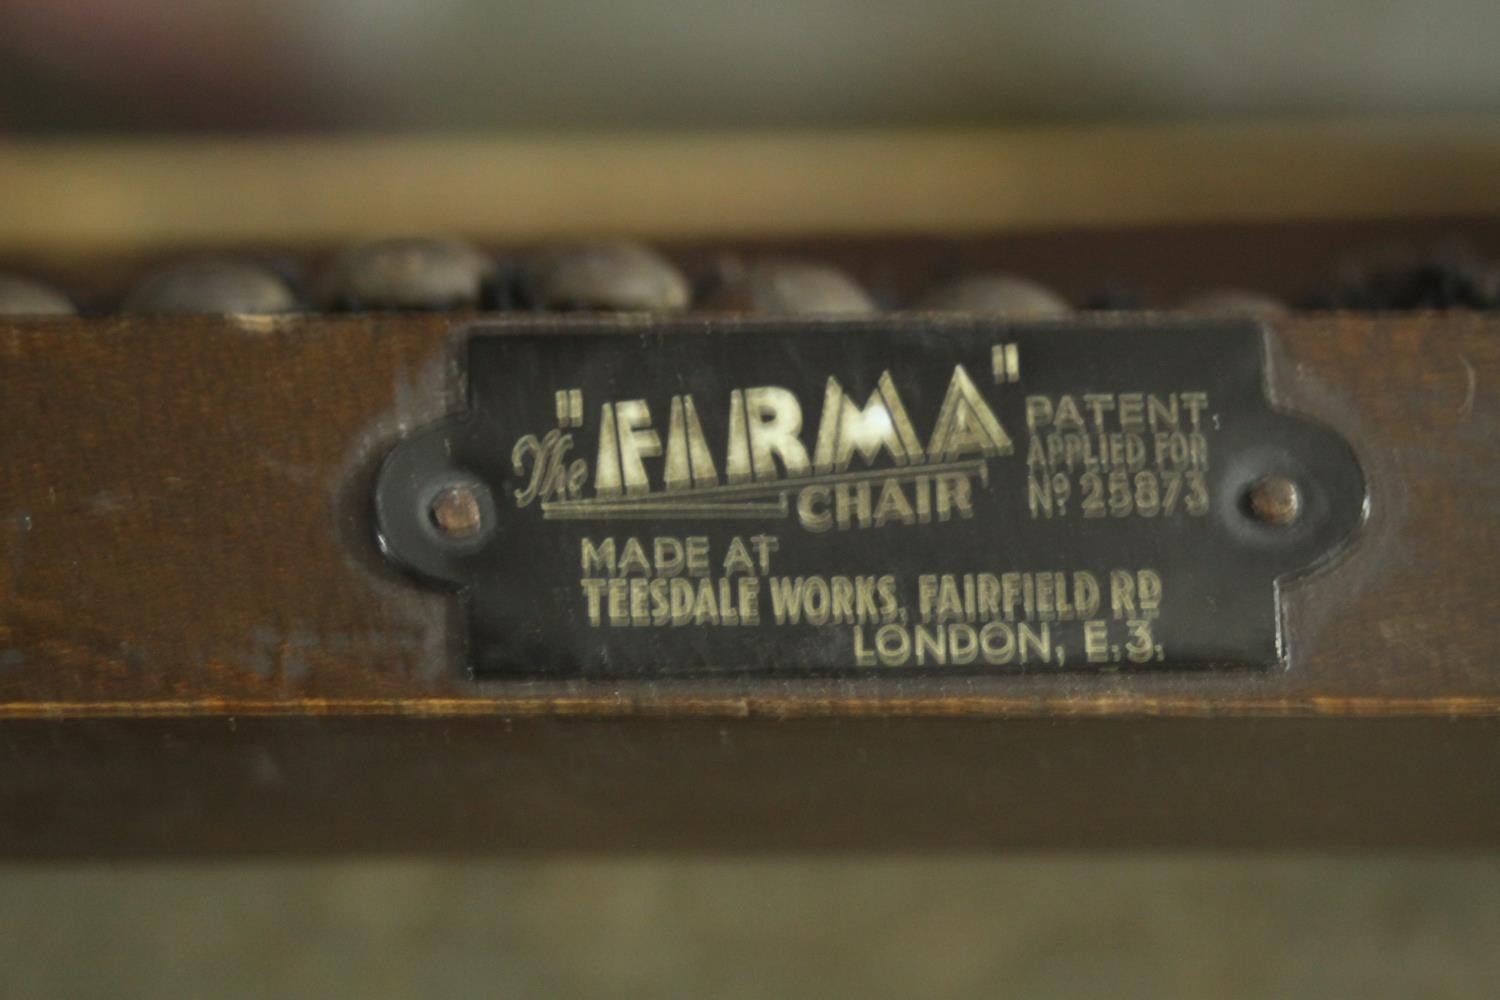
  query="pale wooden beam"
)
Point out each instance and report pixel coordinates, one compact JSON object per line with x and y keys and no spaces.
{"x":108,"y":194}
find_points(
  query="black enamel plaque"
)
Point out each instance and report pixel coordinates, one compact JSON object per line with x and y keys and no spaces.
{"x":908,"y":494}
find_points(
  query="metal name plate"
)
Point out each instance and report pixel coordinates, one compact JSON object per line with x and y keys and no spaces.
{"x":909,"y":494}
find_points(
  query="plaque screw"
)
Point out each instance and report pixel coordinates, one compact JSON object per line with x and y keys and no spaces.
{"x":1275,"y":500}
{"x":456,"y":511}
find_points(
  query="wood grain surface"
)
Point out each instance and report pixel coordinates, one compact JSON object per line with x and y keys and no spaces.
{"x":201,"y":650}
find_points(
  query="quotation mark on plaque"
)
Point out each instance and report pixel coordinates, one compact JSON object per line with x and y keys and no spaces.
{"x":570,"y":407}
{"x":1005,"y":361}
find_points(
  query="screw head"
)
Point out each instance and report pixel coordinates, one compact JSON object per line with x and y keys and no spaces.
{"x":456,"y":512}
{"x":214,"y":286}
{"x":419,"y":273}
{"x":23,"y":297}
{"x":1000,"y":294}
{"x":1275,"y":500}
{"x":614,"y":277}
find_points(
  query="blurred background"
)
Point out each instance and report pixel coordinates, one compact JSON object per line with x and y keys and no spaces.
{"x":1131,"y":929}
{"x":1050,"y":926}
{"x":470,"y":65}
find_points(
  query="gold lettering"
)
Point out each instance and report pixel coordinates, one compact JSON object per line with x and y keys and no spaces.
{"x":775,"y":420}
{"x":966,"y":425}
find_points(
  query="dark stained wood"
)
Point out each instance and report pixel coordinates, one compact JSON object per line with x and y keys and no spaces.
{"x":201,"y":651}
{"x":309,"y":784}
